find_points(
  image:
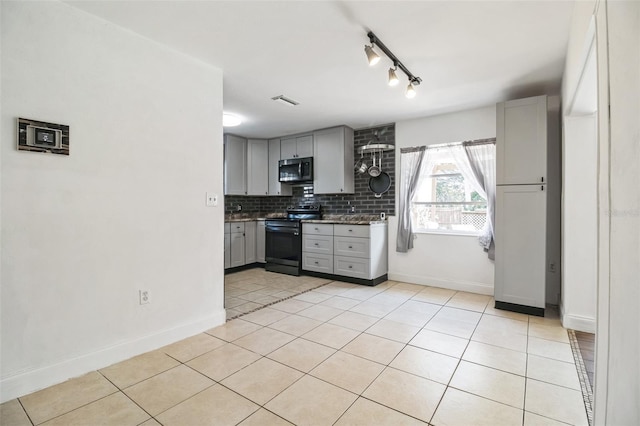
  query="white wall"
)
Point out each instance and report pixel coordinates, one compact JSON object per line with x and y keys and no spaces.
{"x":125,"y":211}
{"x":449,"y":261}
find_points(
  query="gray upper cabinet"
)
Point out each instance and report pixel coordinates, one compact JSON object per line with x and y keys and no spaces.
{"x":275,"y":187}
{"x":257,"y":167}
{"x":296,"y":147}
{"x":333,"y":161}
{"x":521,"y":147}
{"x":235,"y":165}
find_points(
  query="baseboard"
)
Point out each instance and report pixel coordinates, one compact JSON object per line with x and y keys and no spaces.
{"x":471,"y":287}
{"x":29,"y":381}
{"x":579,"y":323}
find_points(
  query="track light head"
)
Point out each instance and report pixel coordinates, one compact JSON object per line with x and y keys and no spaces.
{"x":411,"y":91}
{"x":372,"y":56}
{"x":393,"y":78}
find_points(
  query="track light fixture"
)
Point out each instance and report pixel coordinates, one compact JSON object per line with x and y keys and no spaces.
{"x":374,"y":58}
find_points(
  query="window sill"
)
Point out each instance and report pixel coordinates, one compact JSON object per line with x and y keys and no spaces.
{"x":440,"y":232}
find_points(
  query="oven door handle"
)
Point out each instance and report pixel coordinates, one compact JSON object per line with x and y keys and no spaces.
{"x":282,"y":231}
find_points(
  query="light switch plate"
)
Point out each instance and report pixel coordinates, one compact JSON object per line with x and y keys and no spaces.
{"x":212,"y":199}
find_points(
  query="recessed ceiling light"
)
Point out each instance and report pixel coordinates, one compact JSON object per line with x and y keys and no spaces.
{"x":230,"y":120}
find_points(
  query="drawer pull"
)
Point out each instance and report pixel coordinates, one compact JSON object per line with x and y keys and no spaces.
{"x":315,"y":244}
{"x":350,"y":230}
{"x":316,"y":262}
{"x":350,"y":247}
{"x":350,"y":266}
{"x":316,"y":229}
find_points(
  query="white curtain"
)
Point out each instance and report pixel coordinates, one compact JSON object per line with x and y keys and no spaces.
{"x":476,"y":161}
{"x":411,"y":161}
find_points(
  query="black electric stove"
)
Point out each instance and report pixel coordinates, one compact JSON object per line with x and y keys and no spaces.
{"x":284,"y":239}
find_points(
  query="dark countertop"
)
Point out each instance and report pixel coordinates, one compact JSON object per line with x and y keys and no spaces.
{"x":346,"y":219}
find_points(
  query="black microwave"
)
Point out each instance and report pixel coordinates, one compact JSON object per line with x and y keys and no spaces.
{"x":296,"y":170}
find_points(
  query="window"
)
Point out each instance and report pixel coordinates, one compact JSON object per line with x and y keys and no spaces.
{"x":444,"y":201}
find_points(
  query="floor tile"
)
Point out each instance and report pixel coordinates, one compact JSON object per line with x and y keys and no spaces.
{"x":262,"y":380}
{"x":441,"y":343}
{"x":311,"y":401}
{"x":331,"y":335}
{"x":295,"y":324}
{"x":291,"y":305}
{"x":496,"y":357}
{"x":348,"y":372}
{"x":553,"y":371}
{"x":354,"y":321}
{"x":389,"y":298}
{"x":263,"y":417}
{"x":265,"y":316}
{"x":407,"y":393}
{"x":234,"y":329}
{"x":556,"y":402}
{"x":367,"y":413}
{"x":167,"y":389}
{"x":456,"y":322}
{"x":139,"y":368}
{"x":12,"y":414}
{"x":409,"y":317}
{"x":321,"y":312}
{"x":393,"y":330}
{"x":469,"y":301}
{"x":312,"y":297}
{"x":438,"y":296}
{"x":302,"y":354}
{"x":463,"y":409}
{"x":248,"y":307}
{"x":374,"y":348}
{"x":338,"y":302}
{"x":501,"y":338}
{"x":550,"y":349}
{"x":372,"y":309}
{"x":264,"y":341}
{"x":427,"y":364}
{"x":429,"y":309}
{"x":507,"y":325}
{"x":362,"y":293}
{"x":216,"y":405}
{"x":189,"y":348}
{"x":150,"y":422}
{"x":64,"y":397}
{"x":549,"y":332}
{"x":531,"y":419}
{"x":224,"y":361}
{"x":489,"y":383}
{"x":115,"y":409}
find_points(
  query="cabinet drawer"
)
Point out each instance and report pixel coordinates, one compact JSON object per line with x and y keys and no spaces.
{"x":317,"y":244}
{"x":227,"y":228}
{"x":317,"y":262}
{"x":237,"y":227}
{"x":317,"y":229}
{"x":350,"y":246}
{"x":351,"y":267}
{"x":351,"y":230}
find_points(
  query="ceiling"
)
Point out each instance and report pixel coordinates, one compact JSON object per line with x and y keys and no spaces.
{"x":468,"y":54}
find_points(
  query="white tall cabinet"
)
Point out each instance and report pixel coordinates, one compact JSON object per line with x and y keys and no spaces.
{"x":521,"y":205}
{"x":333,"y":161}
{"x":235,"y":165}
{"x":257,"y":167}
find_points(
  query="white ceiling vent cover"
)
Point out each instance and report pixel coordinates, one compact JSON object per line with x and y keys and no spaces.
{"x":284,"y":100}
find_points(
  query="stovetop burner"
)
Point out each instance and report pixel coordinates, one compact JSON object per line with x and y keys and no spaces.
{"x":305,"y":211}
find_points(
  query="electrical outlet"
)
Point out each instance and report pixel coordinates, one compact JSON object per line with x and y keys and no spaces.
{"x":353,"y":209}
{"x":144,"y":297}
{"x":212,"y":199}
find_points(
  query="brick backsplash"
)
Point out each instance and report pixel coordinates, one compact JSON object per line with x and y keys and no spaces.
{"x":363,"y":199}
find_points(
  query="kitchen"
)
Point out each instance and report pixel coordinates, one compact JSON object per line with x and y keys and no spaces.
{"x":146,"y":230}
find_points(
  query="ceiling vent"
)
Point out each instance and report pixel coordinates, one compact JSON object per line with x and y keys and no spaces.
{"x":284,"y":100}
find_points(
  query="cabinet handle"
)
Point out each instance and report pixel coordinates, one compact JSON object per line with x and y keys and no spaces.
{"x":315,"y":244}
{"x":541,"y":187}
{"x":350,"y":267}
{"x":542,"y":179}
{"x":316,"y":262}
{"x":350,"y":247}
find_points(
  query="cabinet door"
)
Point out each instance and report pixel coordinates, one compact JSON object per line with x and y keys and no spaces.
{"x":249,"y":242}
{"x":520,"y":265}
{"x":227,"y":251}
{"x":288,"y":148}
{"x":260,"y":242}
{"x":333,"y":161}
{"x":257,"y":167}
{"x":237,"y":249}
{"x":304,"y":146}
{"x":235,"y":165}
{"x":521,"y":141}
{"x":275,"y":187}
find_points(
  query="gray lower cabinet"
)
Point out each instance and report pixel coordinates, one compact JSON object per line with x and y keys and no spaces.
{"x":249,"y":242}
{"x":260,"y":242}
{"x":358,"y":251}
{"x":227,"y":245}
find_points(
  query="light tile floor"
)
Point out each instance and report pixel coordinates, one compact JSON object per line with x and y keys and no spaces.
{"x":341,"y":354}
